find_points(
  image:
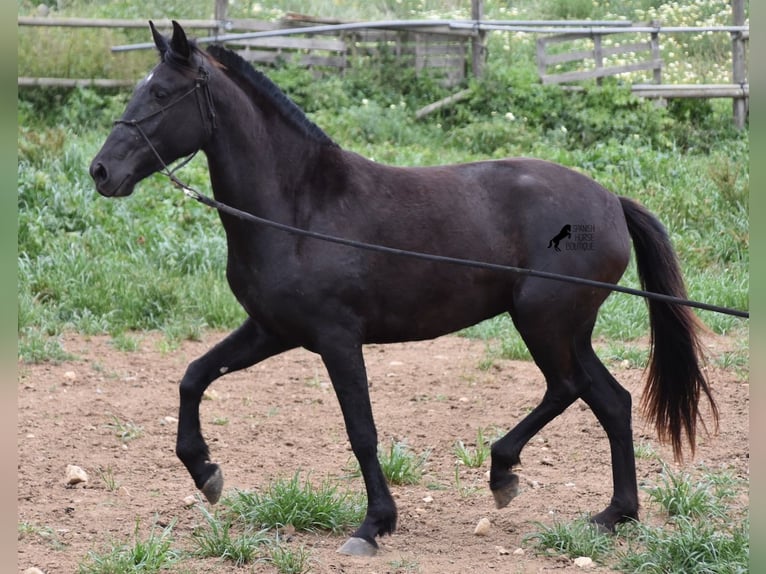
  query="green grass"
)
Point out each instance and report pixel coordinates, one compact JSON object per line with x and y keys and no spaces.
{"x":299,"y":504}
{"x":466,"y":490}
{"x":473,"y":456}
{"x":404,"y":565}
{"x":125,"y":430}
{"x":400,"y":465}
{"x":502,"y":340}
{"x":143,"y":555}
{"x":691,"y":526}
{"x":678,"y":494}
{"x":573,"y":539}
{"x":216,"y":539}
{"x":645,"y":451}
{"x":736,"y":359}
{"x":126,"y":342}
{"x":289,"y":560}
{"x":625,"y":355}
{"x":250,"y":526}
{"x":36,"y":346}
{"x":44,"y":533}
{"x":689,"y":546}
{"x":107,"y":477}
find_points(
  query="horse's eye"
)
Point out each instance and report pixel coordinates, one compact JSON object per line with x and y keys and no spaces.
{"x":158,"y":93}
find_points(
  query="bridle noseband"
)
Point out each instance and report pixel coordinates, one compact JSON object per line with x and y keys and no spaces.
{"x":201,"y":91}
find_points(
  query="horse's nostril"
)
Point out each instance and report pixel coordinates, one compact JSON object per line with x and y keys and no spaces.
{"x":98,"y":172}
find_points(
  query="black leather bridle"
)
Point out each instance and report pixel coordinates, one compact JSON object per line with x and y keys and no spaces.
{"x":201,"y":91}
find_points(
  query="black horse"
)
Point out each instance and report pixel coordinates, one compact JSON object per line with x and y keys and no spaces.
{"x":266,"y":158}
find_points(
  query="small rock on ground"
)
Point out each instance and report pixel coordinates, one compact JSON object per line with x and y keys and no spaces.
{"x":584,"y":562}
{"x":482,"y":528}
{"x":75,"y":475}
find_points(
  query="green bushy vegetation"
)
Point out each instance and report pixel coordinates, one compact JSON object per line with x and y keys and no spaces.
{"x":400,"y":465}
{"x":248,"y":528}
{"x":146,"y":555}
{"x":695,"y":526}
{"x":299,"y":504}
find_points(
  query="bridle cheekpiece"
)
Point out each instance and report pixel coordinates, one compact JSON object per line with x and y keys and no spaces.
{"x":201,"y":91}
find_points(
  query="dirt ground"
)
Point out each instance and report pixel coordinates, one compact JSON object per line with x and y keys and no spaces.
{"x":281,"y":416}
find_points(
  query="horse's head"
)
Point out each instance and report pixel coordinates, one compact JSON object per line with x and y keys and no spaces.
{"x":170,"y":115}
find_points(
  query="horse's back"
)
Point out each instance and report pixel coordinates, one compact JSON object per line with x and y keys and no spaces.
{"x":506,"y":210}
{"x":500,"y":211}
{"x":491,"y":184}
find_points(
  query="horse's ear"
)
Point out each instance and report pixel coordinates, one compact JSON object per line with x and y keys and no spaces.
{"x":159,"y":40}
{"x":179,"y":43}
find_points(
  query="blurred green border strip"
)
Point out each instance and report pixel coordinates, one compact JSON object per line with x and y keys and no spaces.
{"x":757,"y":285}
{"x":8,"y":284}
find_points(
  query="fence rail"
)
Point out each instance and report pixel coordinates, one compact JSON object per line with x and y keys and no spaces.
{"x":452,"y":47}
{"x":426,"y":44}
{"x":27,"y":82}
{"x":692,"y":90}
{"x":597,"y":54}
{"x":646,"y":56}
{"x":109,"y":22}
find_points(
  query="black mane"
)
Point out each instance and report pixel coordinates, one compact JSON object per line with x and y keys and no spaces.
{"x":267,"y":89}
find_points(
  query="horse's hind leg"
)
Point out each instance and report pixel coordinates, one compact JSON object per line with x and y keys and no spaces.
{"x":551,"y":343}
{"x":244,"y":347}
{"x":572,"y":370}
{"x":611,"y":404}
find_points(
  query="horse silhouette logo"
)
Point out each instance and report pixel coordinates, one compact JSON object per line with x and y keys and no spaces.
{"x":566,"y":231}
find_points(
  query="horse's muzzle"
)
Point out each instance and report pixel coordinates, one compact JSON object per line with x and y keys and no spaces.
{"x":105,"y":184}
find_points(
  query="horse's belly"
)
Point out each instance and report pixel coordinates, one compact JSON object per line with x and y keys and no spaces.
{"x":429,"y":314}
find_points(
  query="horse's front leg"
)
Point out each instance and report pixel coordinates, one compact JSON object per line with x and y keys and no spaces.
{"x":244,"y":347}
{"x":345,"y":365}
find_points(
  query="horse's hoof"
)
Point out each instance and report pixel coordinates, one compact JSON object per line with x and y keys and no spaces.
{"x":358,"y":547}
{"x":607,"y":521}
{"x":213,"y":486}
{"x":506,"y":493}
{"x":602,"y":528}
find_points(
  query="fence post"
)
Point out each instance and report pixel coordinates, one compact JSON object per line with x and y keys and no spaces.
{"x":739,"y":75}
{"x":221,"y":9}
{"x":598,"y":56}
{"x":542,"y":64}
{"x":656,"y":53}
{"x":477,"y":43}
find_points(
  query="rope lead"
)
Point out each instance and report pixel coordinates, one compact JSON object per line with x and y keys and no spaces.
{"x":210,"y":202}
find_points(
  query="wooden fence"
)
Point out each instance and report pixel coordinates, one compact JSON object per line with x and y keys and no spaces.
{"x":435,"y":49}
{"x":316,"y":43}
{"x":450,"y":49}
{"x":648,"y":53}
{"x":645,"y":56}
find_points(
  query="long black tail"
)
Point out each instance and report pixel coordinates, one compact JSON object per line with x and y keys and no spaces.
{"x":675,"y":380}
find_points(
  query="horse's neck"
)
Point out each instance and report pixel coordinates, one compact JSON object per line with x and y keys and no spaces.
{"x":256,"y":163}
